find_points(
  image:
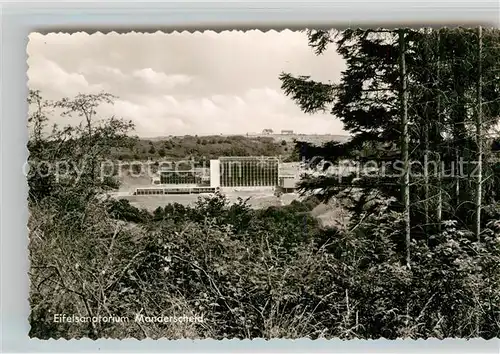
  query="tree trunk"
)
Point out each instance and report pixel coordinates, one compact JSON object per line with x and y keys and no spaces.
{"x":405,"y":183}
{"x":479,"y":123}
{"x":426,"y":171}
{"x":426,"y":122}
{"x":439,"y":208}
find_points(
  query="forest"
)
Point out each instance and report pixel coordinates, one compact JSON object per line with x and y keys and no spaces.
{"x":207,"y":147}
{"x":419,"y":257}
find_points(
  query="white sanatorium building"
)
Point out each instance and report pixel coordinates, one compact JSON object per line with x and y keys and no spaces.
{"x":227,"y":173}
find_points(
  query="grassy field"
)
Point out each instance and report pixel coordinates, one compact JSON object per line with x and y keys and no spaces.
{"x":151,"y":202}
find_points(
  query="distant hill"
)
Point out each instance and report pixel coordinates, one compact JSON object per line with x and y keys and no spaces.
{"x":310,"y":138}
{"x":317,"y":139}
{"x":201,"y":147}
{"x":213,"y":146}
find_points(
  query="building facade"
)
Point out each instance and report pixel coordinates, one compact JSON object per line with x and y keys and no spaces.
{"x":227,"y":172}
{"x":198,"y":176}
{"x":248,"y":171}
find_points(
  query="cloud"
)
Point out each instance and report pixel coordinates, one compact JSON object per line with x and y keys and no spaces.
{"x":101,"y":72}
{"x":182,"y":83}
{"x":257,"y":109}
{"x":44,"y":73}
{"x":151,"y":77}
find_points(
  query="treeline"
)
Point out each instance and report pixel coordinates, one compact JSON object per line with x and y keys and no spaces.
{"x":265,"y":273}
{"x":208,"y":147}
{"x":272,"y":273}
{"x":425,"y":101}
{"x":132,"y":148}
{"x":423,"y":107}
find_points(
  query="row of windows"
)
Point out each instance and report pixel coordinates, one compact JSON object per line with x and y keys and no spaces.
{"x":150,"y":191}
{"x":234,"y":172}
{"x":249,"y":173}
{"x":179,"y":178}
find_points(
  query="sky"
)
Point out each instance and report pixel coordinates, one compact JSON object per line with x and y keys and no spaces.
{"x":200,"y":83}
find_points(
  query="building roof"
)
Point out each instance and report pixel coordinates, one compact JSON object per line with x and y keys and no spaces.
{"x":242,"y":158}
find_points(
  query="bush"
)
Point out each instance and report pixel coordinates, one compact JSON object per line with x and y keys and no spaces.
{"x":259,"y":273}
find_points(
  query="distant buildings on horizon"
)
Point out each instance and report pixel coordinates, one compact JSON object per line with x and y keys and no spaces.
{"x":267,"y":131}
{"x":283,"y":131}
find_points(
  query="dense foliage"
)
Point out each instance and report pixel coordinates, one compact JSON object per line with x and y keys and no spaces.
{"x":443,"y":76}
{"x":256,"y":273}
